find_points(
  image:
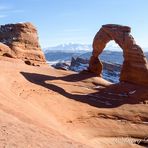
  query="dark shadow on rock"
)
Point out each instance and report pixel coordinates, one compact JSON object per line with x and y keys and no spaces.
{"x":69,"y":78}
{"x":77,"y":76}
{"x":108,"y":97}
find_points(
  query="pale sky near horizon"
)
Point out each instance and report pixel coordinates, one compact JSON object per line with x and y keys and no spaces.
{"x":76,"y":21}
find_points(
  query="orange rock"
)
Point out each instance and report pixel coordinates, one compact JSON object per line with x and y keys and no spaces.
{"x":95,"y":65}
{"x":135,"y":65}
{"x":6,"y":51}
{"x":22,"y":38}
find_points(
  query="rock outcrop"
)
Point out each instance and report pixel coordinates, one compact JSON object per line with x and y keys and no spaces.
{"x":135,"y":65}
{"x":22,"y":39}
{"x":6,"y":51}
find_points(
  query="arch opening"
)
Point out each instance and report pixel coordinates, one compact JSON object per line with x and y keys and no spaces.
{"x":112,"y":60}
{"x":135,"y":65}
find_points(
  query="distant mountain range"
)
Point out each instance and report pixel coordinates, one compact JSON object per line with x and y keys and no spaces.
{"x":65,"y":52}
{"x":79,"y":48}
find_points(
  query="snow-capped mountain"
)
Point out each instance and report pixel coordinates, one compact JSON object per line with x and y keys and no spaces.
{"x":64,"y":52}
{"x":69,"y":48}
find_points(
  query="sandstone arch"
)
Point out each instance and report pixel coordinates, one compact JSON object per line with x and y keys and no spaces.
{"x":135,"y":65}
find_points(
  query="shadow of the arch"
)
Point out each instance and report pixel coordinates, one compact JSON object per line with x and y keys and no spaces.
{"x":108,"y":97}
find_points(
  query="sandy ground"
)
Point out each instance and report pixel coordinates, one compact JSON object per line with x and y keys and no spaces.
{"x":41,"y":107}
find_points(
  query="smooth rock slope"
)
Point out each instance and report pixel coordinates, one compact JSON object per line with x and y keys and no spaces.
{"x":43,"y":107}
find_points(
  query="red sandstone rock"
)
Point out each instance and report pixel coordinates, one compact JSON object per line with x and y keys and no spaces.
{"x":22,"y":38}
{"x":135,"y":65}
{"x":6,"y":51}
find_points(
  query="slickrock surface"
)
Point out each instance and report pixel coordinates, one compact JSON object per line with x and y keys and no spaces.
{"x":135,"y":65}
{"x":22,"y":39}
{"x":43,"y":107}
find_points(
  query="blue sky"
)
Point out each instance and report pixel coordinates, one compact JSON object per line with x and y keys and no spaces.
{"x":76,"y":21}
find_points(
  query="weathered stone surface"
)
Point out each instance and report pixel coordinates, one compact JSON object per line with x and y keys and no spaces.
{"x":22,"y":39}
{"x":135,"y":65}
{"x":6,"y":51}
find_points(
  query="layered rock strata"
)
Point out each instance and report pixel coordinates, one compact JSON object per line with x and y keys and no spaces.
{"x":22,"y":40}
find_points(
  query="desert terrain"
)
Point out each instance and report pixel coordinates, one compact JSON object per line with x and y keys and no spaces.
{"x":44,"y":107}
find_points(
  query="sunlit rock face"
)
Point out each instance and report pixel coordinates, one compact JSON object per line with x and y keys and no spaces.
{"x":135,"y":65}
{"x":22,"y":39}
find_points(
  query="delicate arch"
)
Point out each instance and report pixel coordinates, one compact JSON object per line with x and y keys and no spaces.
{"x":135,"y":65}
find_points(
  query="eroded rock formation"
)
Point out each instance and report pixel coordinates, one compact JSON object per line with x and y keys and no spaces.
{"x":22,"y":40}
{"x":6,"y":51}
{"x":135,"y":65}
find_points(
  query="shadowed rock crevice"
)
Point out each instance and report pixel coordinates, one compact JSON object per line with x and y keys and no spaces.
{"x":135,"y":65}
